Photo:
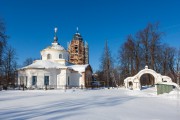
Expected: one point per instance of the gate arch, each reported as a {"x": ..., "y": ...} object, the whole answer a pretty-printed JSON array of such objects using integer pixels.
[
  {"x": 136, "y": 79},
  {"x": 146, "y": 80}
]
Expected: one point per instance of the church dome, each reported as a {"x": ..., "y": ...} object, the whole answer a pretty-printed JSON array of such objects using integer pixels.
[
  {"x": 55, "y": 52},
  {"x": 56, "y": 46}
]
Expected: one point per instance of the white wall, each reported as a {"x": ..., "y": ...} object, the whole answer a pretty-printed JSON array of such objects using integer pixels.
[
  {"x": 54, "y": 54},
  {"x": 58, "y": 78},
  {"x": 40, "y": 73},
  {"x": 75, "y": 79},
  {"x": 61, "y": 78}
]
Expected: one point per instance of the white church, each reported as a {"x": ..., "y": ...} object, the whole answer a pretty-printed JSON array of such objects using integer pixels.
[{"x": 54, "y": 70}]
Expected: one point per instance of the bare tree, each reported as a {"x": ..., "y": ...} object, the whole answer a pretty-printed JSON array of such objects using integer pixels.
[
  {"x": 130, "y": 57},
  {"x": 28, "y": 61},
  {"x": 130, "y": 47},
  {"x": 178, "y": 66},
  {"x": 3, "y": 42},
  {"x": 146, "y": 49},
  {"x": 150, "y": 39},
  {"x": 3, "y": 39},
  {"x": 167, "y": 58},
  {"x": 9, "y": 65}
]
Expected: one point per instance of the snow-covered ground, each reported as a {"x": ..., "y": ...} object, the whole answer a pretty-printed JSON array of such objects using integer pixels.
[{"x": 103, "y": 104}]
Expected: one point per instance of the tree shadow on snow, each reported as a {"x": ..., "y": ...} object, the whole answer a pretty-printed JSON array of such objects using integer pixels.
[{"x": 62, "y": 108}]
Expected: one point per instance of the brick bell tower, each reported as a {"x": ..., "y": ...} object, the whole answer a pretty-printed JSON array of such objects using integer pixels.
[{"x": 78, "y": 50}]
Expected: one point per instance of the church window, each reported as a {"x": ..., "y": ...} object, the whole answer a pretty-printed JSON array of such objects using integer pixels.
[
  {"x": 48, "y": 56},
  {"x": 68, "y": 82},
  {"x": 46, "y": 80},
  {"x": 34, "y": 80},
  {"x": 60, "y": 56}
]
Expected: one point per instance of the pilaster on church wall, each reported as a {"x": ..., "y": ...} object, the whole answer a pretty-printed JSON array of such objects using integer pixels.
[
  {"x": 20, "y": 73},
  {"x": 63, "y": 77},
  {"x": 29, "y": 79},
  {"x": 82, "y": 80},
  {"x": 52, "y": 73}
]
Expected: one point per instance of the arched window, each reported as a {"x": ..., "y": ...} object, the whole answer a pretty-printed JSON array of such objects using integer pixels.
[
  {"x": 60, "y": 56},
  {"x": 48, "y": 56}
]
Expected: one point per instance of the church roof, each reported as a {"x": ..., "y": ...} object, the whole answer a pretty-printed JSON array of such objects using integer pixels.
[
  {"x": 77, "y": 36},
  {"x": 46, "y": 64},
  {"x": 80, "y": 68}
]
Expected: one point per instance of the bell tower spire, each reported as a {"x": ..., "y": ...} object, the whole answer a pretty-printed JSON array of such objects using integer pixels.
[{"x": 77, "y": 30}]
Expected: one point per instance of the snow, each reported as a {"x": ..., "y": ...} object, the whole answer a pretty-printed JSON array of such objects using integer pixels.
[
  {"x": 56, "y": 46},
  {"x": 50, "y": 64},
  {"x": 170, "y": 83},
  {"x": 99, "y": 104},
  {"x": 80, "y": 68},
  {"x": 45, "y": 64}
]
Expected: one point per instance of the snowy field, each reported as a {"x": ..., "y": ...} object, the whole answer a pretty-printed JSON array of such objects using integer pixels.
[{"x": 103, "y": 104}]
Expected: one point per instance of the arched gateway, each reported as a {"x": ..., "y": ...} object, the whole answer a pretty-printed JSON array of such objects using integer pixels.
[{"x": 134, "y": 82}]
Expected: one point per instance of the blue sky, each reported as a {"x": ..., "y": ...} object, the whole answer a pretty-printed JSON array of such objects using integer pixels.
[{"x": 30, "y": 23}]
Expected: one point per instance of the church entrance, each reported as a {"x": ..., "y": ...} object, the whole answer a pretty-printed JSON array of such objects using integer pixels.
[{"x": 147, "y": 80}]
